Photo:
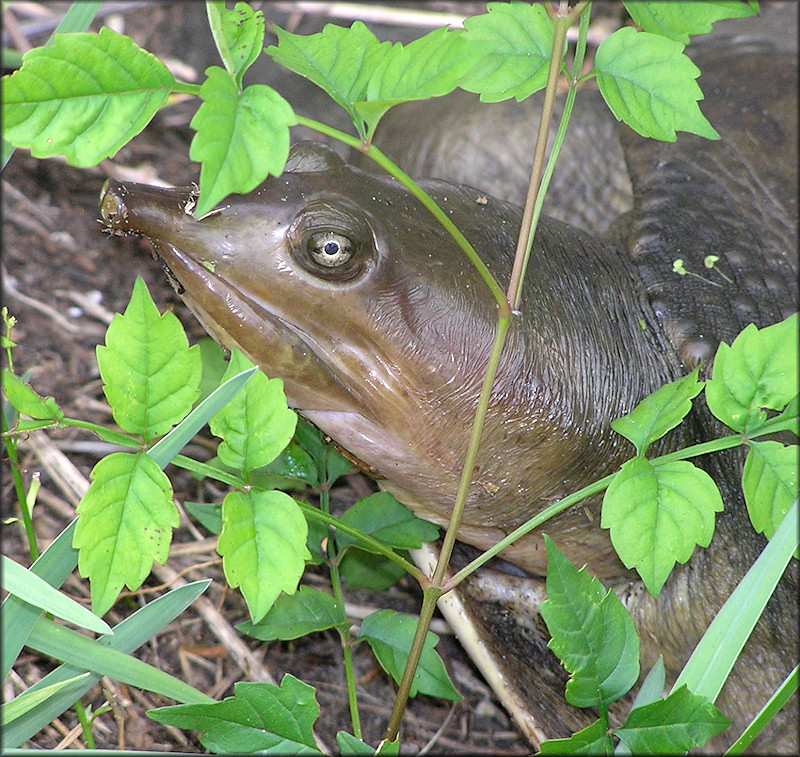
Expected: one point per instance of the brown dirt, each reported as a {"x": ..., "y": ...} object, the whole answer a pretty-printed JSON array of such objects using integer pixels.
[{"x": 62, "y": 280}]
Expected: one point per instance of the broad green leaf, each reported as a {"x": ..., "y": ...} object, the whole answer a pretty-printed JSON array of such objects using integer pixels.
[
  {"x": 650, "y": 84},
  {"x": 256, "y": 424},
  {"x": 350, "y": 745},
  {"x": 242, "y": 137},
  {"x": 84, "y": 653},
  {"x": 680, "y": 20},
  {"x": 293, "y": 467},
  {"x": 383, "y": 517},
  {"x": 26, "y": 701},
  {"x": 657, "y": 514},
  {"x": 166, "y": 449},
  {"x": 364, "y": 570},
  {"x": 295, "y": 615},
  {"x": 659, "y": 412},
  {"x": 313, "y": 441},
  {"x": 27, "y": 585},
  {"x": 592, "y": 633},
  {"x": 208, "y": 515},
  {"x": 214, "y": 362},
  {"x": 26, "y": 401},
  {"x": 759, "y": 370},
  {"x": 430, "y": 66},
  {"x": 769, "y": 481},
  {"x": 84, "y": 97},
  {"x": 263, "y": 546},
  {"x": 259, "y": 717},
  {"x": 238, "y": 34},
  {"x": 593, "y": 739},
  {"x": 715, "y": 655},
  {"x": 338, "y": 60},
  {"x": 520, "y": 37},
  {"x": 150, "y": 374},
  {"x": 673, "y": 725},
  {"x": 130, "y": 634},
  {"x": 390, "y": 635},
  {"x": 126, "y": 521}
]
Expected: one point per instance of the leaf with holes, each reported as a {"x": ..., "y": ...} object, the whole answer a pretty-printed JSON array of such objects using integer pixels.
[
  {"x": 125, "y": 522},
  {"x": 238, "y": 34},
  {"x": 151, "y": 377},
  {"x": 84, "y": 97}
]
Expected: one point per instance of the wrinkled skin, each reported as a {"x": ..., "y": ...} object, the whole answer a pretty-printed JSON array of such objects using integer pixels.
[{"x": 342, "y": 285}]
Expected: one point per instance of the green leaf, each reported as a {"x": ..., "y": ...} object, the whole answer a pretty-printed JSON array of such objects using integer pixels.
[
  {"x": 166, "y": 449},
  {"x": 659, "y": 412},
  {"x": 338, "y": 60},
  {"x": 383, "y": 517},
  {"x": 680, "y": 20},
  {"x": 430, "y": 66},
  {"x": 350, "y": 745},
  {"x": 242, "y": 137},
  {"x": 593, "y": 739},
  {"x": 759, "y": 370},
  {"x": 715, "y": 655},
  {"x": 26, "y": 401},
  {"x": 84, "y": 97},
  {"x": 520, "y": 37},
  {"x": 390, "y": 635},
  {"x": 769, "y": 481},
  {"x": 364, "y": 570},
  {"x": 592, "y": 633},
  {"x": 130, "y": 634},
  {"x": 208, "y": 515},
  {"x": 150, "y": 374},
  {"x": 126, "y": 521},
  {"x": 673, "y": 725},
  {"x": 294, "y": 464},
  {"x": 256, "y": 424},
  {"x": 27, "y": 585},
  {"x": 650, "y": 84},
  {"x": 292, "y": 616},
  {"x": 84, "y": 653},
  {"x": 26, "y": 701},
  {"x": 263, "y": 546},
  {"x": 657, "y": 514},
  {"x": 238, "y": 34},
  {"x": 214, "y": 362},
  {"x": 259, "y": 717},
  {"x": 652, "y": 687}
]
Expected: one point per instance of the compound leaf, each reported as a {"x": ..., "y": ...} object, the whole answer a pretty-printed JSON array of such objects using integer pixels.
[
  {"x": 650, "y": 84},
  {"x": 84, "y": 97},
  {"x": 657, "y": 514},
  {"x": 520, "y": 37},
  {"x": 390, "y": 635},
  {"x": 259, "y": 717},
  {"x": 263, "y": 546},
  {"x": 150, "y": 374},
  {"x": 242, "y": 137},
  {"x": 757, "y": 371},
  {"x": 125, "y": 522},
  {"x": 592, "y": 633}
]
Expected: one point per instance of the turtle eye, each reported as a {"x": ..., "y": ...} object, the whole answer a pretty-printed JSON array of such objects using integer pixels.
[{"x": 329, "y": 249}]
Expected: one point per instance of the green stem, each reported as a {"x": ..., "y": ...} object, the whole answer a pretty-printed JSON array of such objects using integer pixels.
[
  {"x": 19, "y": 489},
  {"x": 375, "y": 154},
  {"x": 86, "y": 726}
]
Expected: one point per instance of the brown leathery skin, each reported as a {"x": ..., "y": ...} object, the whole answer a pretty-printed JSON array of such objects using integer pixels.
[{"x": 577, "y": 358}]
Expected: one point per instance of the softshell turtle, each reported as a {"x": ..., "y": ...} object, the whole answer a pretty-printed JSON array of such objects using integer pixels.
[{"x": 338, "y": 282}]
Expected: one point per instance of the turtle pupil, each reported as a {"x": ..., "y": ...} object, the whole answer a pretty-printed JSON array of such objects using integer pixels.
[{"x": 331, "y": 248}]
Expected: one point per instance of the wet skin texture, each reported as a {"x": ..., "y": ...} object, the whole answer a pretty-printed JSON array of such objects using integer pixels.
[{"x": 342, "y": 285}]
